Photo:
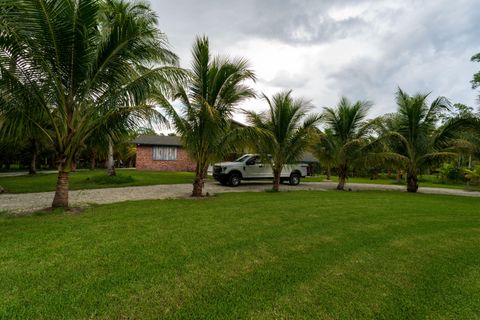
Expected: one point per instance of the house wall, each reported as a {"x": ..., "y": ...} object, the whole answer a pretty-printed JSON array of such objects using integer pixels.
[{"x": 145, "y": 161}]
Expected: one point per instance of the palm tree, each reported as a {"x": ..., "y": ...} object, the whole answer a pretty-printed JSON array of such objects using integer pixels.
[
  {"x": 476, "y": 77},
  {"x": 324, "y": 150},
  {"x": 418, "y": 142},
  {"x": 19, "y": 127},
  {"x": 215, "y": 87},
  {"x": 81, "y": 64},
  {"x": 346, "y": 135},
  {"x": 288, "y": 129}
]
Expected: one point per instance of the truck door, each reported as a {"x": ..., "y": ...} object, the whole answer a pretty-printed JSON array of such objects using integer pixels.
[{"x": 254, "y": 168}]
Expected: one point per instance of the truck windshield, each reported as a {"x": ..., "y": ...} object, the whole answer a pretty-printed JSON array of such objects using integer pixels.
[{"x": 243, "y": 158}]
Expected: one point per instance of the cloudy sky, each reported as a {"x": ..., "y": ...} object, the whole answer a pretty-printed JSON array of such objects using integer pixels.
[{"x": 323, "y": 49}]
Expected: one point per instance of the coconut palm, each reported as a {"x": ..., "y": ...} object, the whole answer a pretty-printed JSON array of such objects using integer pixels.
[
  {"x": 81, "y": 64},
  {"x": 20, "y": 127},
  {"x": 323, "y": 149},
  {"x": 417, "y": 139},
  {"x": 346, "y": 135},
  {"x": 288, "y": 128},
  {"x": 215, "y": 87}
]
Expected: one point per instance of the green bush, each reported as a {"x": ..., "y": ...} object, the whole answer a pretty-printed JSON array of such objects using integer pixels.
[
  {"x": 473, "y": 176},
  {"x": 451, "y": 173}
]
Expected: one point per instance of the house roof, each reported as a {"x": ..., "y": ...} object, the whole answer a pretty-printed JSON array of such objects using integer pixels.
[
  {"x": 308, "y": 157},
  {"x": 155, "y": 140},
  {"x": 175, "y": 141}
]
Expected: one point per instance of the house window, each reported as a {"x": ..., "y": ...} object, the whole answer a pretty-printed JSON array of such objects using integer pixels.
[{"x": 164, "y": 153}]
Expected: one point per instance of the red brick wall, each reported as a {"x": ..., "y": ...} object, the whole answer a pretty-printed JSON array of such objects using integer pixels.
[{"x": 145, "y": 161}]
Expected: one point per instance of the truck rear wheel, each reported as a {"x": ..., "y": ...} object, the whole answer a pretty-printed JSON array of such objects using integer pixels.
[
  {"x": 294, "y": 179},
  {"x": 234, "y": 179}
]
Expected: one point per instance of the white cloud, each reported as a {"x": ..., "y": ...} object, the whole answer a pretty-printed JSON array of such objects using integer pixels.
[{"x": 325, "y": 49}]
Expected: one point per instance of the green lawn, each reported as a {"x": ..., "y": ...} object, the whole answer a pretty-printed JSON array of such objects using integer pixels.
[
  {"x": 93, "y": 180},
  {"x": 289, "y": 255},
  {"x": 424, "y": 181},
  {"x": 98, "y": 179}
]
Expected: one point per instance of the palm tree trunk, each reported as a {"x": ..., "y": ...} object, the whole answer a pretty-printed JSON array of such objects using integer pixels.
[
  {"x": 399, "y": 176},
  {"x": 74, "y": 164},
  {"x": 342, "y": 176},
  {"x": 412, "y": 185},
  {"x": 276, "y": 180},
  {"x": 93, "y": 163},
  {"x": 110, "y": 161},
  {"x": 199, "y": 181},
  {"x": 33, "y": 161},
  {"x": 329, "y": 173},
  {"x": 60, "y": 200}
]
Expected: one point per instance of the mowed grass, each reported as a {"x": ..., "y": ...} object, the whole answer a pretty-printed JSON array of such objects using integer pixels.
[
  {"x": 429, "y": 181},
  {"x": 98, "y": 179},
  {"x": 288, "y": 255},
  {"x": 93, "y": 180}
]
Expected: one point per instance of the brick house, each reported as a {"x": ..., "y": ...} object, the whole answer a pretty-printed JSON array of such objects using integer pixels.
[{"x": 165, "y": 153}]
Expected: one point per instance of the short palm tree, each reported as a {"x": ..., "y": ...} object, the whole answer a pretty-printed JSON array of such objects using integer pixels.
[
  {"x": 323, "y": 148},
  {"x": 81, "y": 64},
  {"x": 287, "y": 129},
  {"x": 346, "y": 136},
  {"x": 418, "y": 142},
  {"x": 207, "y": 102}
]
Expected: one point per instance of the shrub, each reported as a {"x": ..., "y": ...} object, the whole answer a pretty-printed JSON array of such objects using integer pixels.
[
  {"x": 450, "y": 172},
  {"x": 473, "y": 176}
]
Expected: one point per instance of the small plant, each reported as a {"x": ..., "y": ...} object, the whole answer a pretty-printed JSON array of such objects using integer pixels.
[
  {"x": 450, "y": 172},
  {"x": 473, "y": 176}
]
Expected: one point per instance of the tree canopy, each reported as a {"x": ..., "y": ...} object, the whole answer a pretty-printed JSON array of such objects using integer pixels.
[{"x": 81, "y": 64}]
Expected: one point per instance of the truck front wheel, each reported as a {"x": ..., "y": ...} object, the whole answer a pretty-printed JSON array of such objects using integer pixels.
[
  {"x": 234, "y": 179},
  {"x": 294, "y": 179}
]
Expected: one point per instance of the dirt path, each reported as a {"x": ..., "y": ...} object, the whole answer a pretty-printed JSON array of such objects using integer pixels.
[{"x": 35, "y": 201}]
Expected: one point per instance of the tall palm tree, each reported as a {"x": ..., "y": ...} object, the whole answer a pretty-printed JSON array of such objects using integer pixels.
[
  {"x": 81, "y": 64},
  {"x": 288, "y": 127},
  {"x": 346, "y": 135},
  {"x": 418, "y": 142},
  {"x": 215, "y": 87}
]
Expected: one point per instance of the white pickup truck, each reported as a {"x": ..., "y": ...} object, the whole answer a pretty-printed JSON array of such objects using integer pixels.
[{"x": 251, "y": 167}]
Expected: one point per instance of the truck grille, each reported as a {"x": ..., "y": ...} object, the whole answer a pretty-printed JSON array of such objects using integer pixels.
[{"x": 217, "y": 169}]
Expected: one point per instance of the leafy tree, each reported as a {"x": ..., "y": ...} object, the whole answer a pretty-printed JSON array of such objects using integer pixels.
[
  {"x": 418, "y": 140},
  {"x": 288, "y": 130},
  {"x": 81, "y": 64},
  {"x": 346, "y": 137},
  {"x": 215, "y": 87}
]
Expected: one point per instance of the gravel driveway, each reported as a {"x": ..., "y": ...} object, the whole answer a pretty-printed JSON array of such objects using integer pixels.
[{"x": 25, "y": 202}]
